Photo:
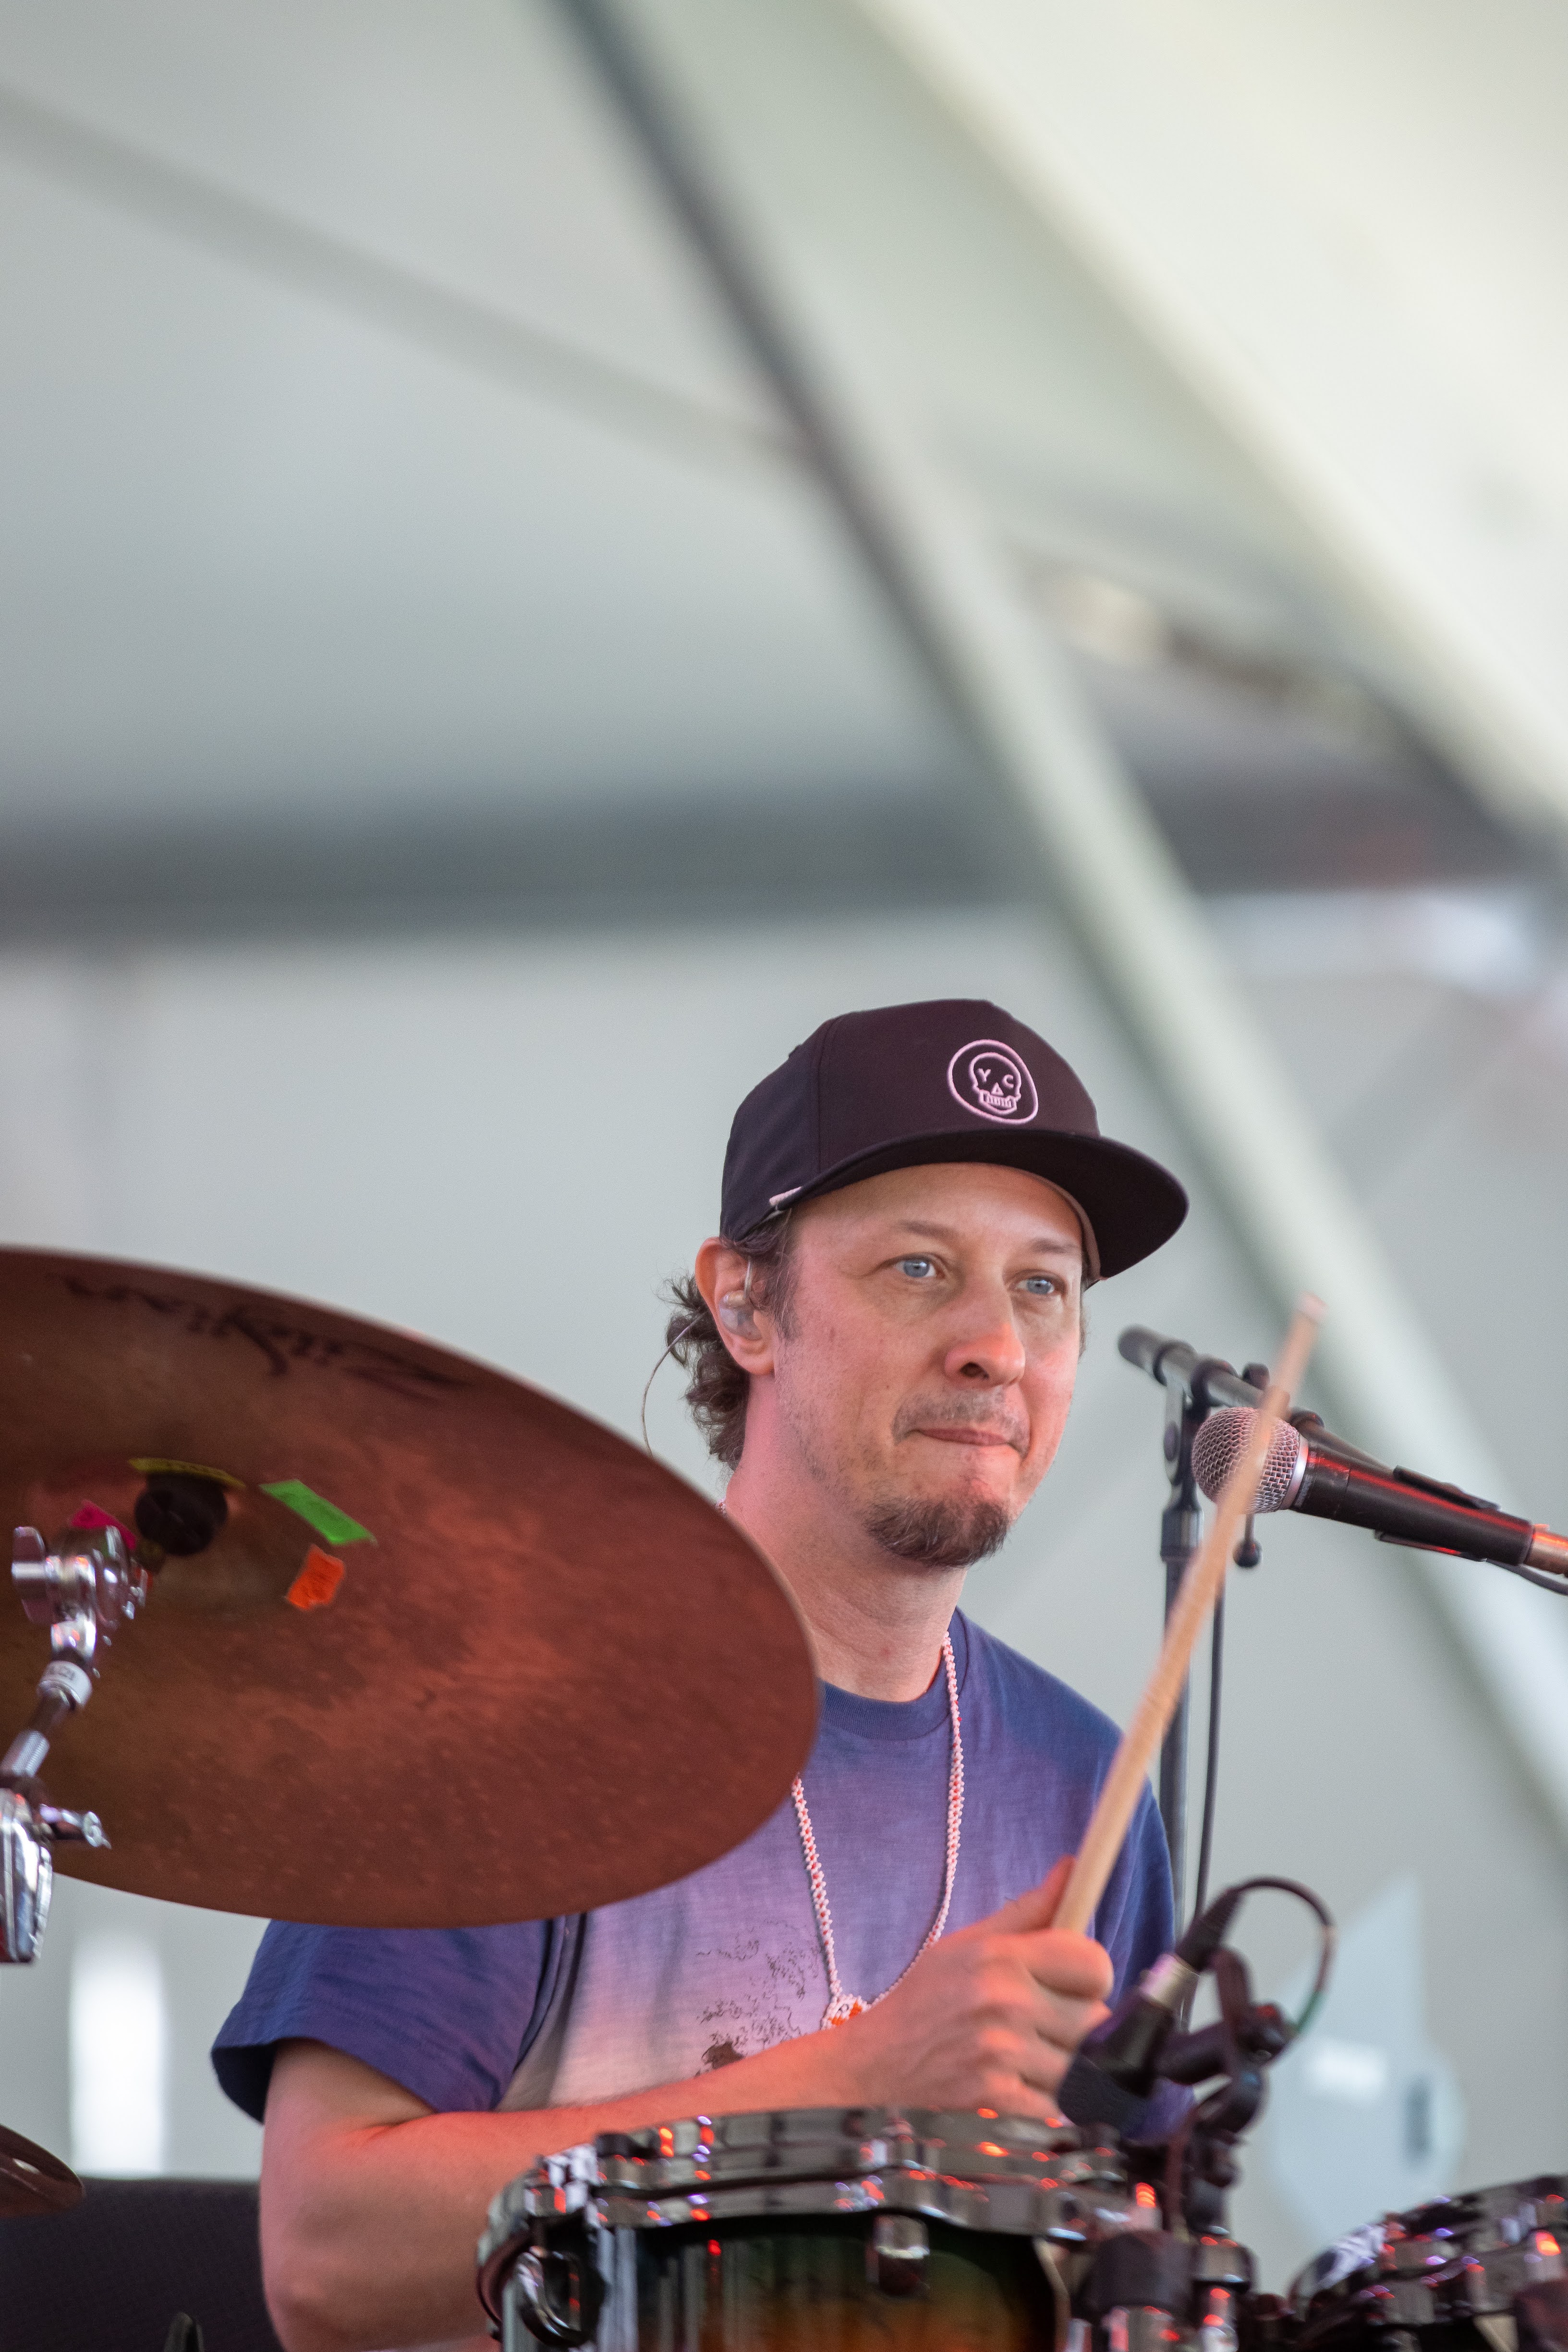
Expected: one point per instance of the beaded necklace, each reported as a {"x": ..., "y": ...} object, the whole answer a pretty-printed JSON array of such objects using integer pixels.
[{"x": 841, "y": 2004}]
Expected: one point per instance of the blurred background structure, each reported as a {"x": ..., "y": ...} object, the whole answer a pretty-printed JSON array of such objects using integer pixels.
[{"x": 546, "y": 546}]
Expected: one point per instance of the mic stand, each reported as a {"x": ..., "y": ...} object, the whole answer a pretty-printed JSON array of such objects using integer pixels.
[
  {"x": 1181, "y": 1525},
  {"x": 1189, "y": 2283},
  {"x": 1193, "y": 1386},
  {"x": 1245, "y": 2039}
]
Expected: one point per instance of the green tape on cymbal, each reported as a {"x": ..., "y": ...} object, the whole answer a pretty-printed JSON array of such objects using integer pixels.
[{"x": 334, "y": 1526}]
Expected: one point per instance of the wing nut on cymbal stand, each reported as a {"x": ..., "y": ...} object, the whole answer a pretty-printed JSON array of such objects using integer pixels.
[{"x": 83, "y": 1594}]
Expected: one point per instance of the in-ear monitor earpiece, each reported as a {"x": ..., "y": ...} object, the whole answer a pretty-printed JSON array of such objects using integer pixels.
[{"x": 737, "y": 1308}]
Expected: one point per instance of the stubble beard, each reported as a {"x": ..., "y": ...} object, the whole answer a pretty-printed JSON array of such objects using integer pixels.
[
  {"x": 939, "y": 1533},
  {"x": 946, "y": 1531}
]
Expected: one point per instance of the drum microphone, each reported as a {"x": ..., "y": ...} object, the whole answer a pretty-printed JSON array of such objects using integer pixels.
[
  {"x": 1116, "y": 2067},
  {"x": 1142, "y": 2045},
  {"x": 1307, "y": 1470}
]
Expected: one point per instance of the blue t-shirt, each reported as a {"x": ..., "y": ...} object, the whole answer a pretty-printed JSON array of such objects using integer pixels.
[{"x": 728, "y": 1961}]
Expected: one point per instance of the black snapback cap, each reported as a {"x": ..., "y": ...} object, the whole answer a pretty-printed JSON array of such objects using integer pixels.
[{"x": 910, "y": 1085}]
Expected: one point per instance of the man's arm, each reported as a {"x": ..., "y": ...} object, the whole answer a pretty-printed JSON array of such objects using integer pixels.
[{"x": 372, "y": 2205}]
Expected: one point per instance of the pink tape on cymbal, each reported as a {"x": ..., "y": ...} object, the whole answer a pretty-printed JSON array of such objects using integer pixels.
[{"x": 93, "y": 1515}]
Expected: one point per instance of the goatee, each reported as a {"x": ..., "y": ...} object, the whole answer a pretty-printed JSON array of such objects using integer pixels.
[{"x": 939, "y": 1533}]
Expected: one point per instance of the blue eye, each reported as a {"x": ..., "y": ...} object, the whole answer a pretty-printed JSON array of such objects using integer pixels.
[
  {"x": 1041, "y": 1286},
  {"x": 917, "y": 1268}
]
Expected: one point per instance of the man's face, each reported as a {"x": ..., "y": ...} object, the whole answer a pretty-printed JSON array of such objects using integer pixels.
[{"x": 931, "y": 1347}]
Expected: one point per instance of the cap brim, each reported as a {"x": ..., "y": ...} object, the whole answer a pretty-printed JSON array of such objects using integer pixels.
[{"x": 1133, "y": 1203}]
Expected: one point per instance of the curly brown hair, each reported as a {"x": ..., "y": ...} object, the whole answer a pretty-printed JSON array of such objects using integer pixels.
[{"x": 716, "y": 1387}]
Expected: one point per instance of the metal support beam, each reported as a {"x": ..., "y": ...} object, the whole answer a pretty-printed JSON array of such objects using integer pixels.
[
  {"x": 417, "y": 309},
  {"x": 1257, "y": 285},
  {"x": 1116, "y": 884}
]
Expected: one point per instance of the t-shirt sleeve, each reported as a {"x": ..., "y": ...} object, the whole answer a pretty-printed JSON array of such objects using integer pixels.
[
  {"x": 1136, "y": 1923},
  {"x": 447, "y": 2012},
  {"x": 1135, "y": 1920}
]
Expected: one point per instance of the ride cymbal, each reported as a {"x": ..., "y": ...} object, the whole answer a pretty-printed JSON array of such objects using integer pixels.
[{"x": 452, "y": 1655}]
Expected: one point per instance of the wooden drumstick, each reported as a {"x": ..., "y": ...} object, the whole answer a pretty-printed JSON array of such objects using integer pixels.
[{"x": 1200, "y": 1588}]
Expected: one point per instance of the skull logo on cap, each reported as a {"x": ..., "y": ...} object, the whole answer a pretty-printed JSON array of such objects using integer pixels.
[{"x": 990, "y": 1080}]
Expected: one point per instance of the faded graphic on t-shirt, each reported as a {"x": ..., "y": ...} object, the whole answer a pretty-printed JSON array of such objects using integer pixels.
[
  {"x": 660, "y": 1997},
  {"x": 765, "y": 1991}
]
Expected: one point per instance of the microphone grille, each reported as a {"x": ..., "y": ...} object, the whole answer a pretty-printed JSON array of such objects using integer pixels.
[{"x": 1218, "y": 1447}]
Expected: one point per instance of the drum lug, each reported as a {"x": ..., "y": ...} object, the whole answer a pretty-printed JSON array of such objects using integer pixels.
[
  {"x": 1141, "y": 2327},
  {"x": 1216, "y": 2319},
  {"x": 897, "y": 2256},
  {"x": 556, "y": 2296}
]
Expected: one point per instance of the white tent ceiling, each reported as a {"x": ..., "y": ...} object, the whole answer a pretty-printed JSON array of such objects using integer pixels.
[{"x": 316, "y": 501}]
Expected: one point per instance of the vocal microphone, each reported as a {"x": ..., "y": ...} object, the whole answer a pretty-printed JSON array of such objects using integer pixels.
[{"x": 1312, "y": 1472}]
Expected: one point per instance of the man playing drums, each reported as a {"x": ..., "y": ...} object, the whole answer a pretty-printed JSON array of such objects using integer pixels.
[{"x": 882, "y": 1347}]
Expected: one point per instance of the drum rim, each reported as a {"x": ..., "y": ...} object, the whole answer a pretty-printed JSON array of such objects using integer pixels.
[
  {"x": 1459, "y": 2217},
  {"x": 848, "y": 2162}
]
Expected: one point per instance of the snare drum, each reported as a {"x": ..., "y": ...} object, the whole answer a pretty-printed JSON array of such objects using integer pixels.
[
  {"x": 818, "y": 2230},
  {"x": 1448, "y": 2271}
]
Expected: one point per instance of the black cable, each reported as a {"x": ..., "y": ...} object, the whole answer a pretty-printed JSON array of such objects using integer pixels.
[
  {"x": 1536, "y": 1575},
  {"x": 665, "y": 1356},
  {"x": 1211, "y": 1766},
  {"x": 1326, "y": 1941}
]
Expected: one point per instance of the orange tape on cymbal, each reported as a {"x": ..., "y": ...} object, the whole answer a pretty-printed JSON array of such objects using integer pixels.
[{"x": 318, "y": 1580}]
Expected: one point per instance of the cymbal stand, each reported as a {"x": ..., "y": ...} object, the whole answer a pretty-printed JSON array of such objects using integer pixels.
[{"x": 84, "y": 1592}]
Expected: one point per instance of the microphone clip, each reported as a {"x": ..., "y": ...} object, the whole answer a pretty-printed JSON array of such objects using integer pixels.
[{"x": 1120, "y": 2075}]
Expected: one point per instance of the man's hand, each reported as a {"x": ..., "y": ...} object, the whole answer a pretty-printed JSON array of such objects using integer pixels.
[{"x": 989, "y": 2018}]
